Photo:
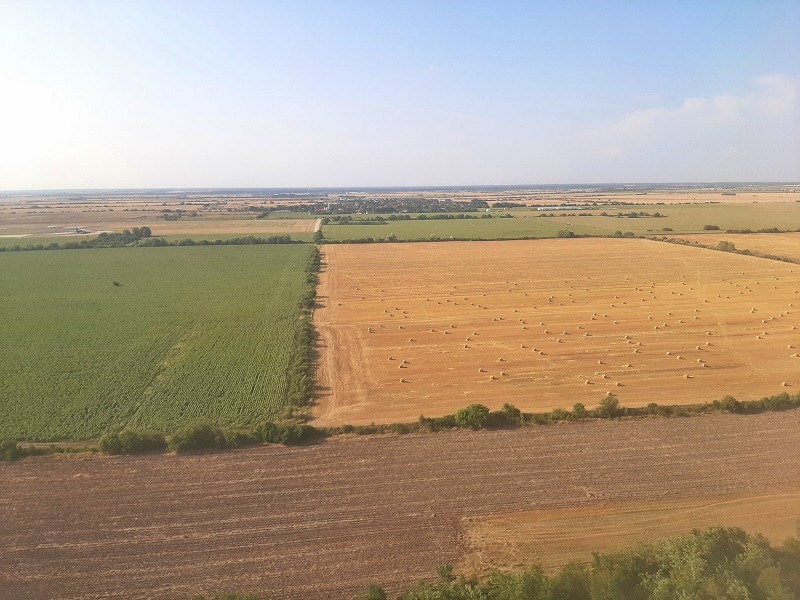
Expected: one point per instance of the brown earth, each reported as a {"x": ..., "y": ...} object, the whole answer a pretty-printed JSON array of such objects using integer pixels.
[
  {"x": 547, "y": 323},
  {"x": 779, "y": 244},
  {"x": 323, "y": 521}
]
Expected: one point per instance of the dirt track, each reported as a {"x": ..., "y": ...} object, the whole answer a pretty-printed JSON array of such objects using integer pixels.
[{"x": 322, "y": 521}]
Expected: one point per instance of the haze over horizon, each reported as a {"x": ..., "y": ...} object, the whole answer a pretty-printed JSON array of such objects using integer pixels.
[{"x": 354, "y": 94}]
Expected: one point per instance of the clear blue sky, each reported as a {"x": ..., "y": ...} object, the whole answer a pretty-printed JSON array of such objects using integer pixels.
[{"x": 193, "y": 94}]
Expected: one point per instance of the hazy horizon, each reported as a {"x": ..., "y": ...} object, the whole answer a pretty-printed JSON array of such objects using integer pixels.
[{"x": 154, "y": 95}]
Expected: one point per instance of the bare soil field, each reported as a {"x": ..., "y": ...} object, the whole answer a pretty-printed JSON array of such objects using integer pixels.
[
  {"x": 779, "y": 244},
  {"x": 553, "y": 538},
  {"x": 323, "y": 521},
  {"x": 410, "y": 329}
]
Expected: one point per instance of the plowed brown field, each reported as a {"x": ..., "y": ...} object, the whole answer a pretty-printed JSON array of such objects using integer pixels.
[
  {"x": 410, "y": 329},
  {"x": 322, "y": 521}
]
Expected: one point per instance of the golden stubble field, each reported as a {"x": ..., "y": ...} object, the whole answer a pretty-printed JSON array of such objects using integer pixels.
[
  {"x": 778, "y": 244},
  {"x": 427, "y": 328}
]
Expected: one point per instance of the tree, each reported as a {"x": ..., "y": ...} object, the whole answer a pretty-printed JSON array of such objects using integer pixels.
[
  {"x": 609, "y": 407},
  {"x": 726, "y": 246},
  {"x": 473, "y": 416}
]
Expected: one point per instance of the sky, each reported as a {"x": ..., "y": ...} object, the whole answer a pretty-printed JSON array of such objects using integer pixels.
[{"x": 172, "y": 94}]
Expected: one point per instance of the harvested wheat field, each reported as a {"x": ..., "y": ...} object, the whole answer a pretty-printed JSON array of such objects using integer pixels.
[
  {"x": 778, "y": 244},
  {"x": 556, "y": 537},
  {"x": 324, "y": 521},
  {"x": 410, "y": 329}
]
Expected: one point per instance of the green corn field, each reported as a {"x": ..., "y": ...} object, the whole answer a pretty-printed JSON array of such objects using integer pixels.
[{"x": 153, "y": 338}]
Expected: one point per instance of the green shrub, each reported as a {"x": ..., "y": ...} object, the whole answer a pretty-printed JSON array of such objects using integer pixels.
[
  {"x": 373, "y": 592},
  {"x": 559, "y": 414},
  {"x": 473, "y": 416},
  {"x": 579, "y": 411},
  {"x": 609, "y": 407},
  {"x": 9, "y": 450},
  {"x": 286, "y": 433},
  {"x": 130, "y": 441},
  {"x": 728, "y": 404},
  {"x": 238, "y": 438},
  {"x": 197, "y": 437}
]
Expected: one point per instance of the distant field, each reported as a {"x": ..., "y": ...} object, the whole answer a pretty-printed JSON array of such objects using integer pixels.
[
  {"x": 690, "y": 218},
  {"x": 680, "y": 218},
  {"x": 159, "y": 227},
  {"x": 410, "y": 329},
  {"x": 779, "y": 244},
  {"x": 458, "y": 228},
  {"x": 191, "y": 334},
  {"x": 34, "y": 240}
]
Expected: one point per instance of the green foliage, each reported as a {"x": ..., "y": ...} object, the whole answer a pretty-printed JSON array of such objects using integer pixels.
[
  {"x": 9, "y": 450},
  {"x": 204, "y": 436},
  {"x": 287, "y": 433},
  {"x": 579, "y": 411},
  {"x": 714, "y": 564},
  {"x": 609, "y": 407},
  {"x": 373, "y": 592},
  {"x": 559, "y": 414},
  {"x": 198, "y": 437},
  {"x": 473, "y": 416},
  {"x": 565, "y": 233},
  {"x": 726, "y": 246},
  {"x": 777, "y": 403},
  {"x": 572, "y": 582},
  {"x": 710, "y": 227},
  {"x": 130, "y": 441},
  {"x": 194, "y": 335}
]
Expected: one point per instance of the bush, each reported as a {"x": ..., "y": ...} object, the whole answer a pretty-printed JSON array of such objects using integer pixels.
[
  {"x": 129, "y": 441},
  {"x": 9, "y": 450},
  {"x": 197, "y": 437},
  {"x": 473, "y": 416},
  {"x": 286, "y": 433},
  {"x": 373, "y": 592},
  {"x": 728, "y": 404},
  {"x": 609, "y": 407},
  {"x": 579, "y": 411},
  {"x": 710, "y": 227},
  {"x": 559, "y": 414}
]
